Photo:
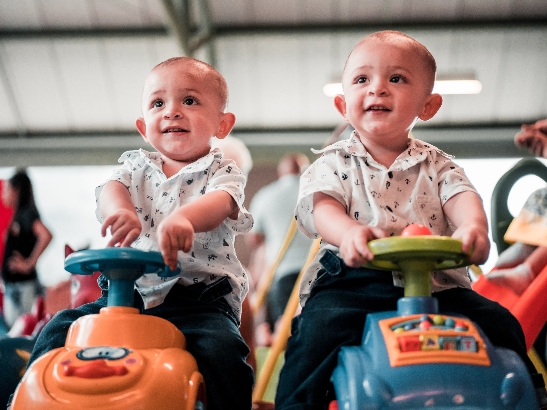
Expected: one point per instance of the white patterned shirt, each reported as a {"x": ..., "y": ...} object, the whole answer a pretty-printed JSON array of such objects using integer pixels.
[
  {"x": 155, "y": 197},
  {"x": 412, "y": 190}
]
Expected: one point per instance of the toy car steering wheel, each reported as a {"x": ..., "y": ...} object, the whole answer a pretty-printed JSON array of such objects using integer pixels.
[
  {"x": 121, "y": 266},
  {"x": 417, "y": 257}
]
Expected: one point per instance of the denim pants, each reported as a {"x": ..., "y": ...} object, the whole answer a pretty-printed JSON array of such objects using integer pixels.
[
  {"x": 335, "y": 314},
  {"x": 19, "y": 298},
  {"x": 211, "y": 331}
]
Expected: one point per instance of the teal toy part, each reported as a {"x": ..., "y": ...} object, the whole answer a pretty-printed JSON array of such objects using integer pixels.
[{"x": 121, "y": 266}]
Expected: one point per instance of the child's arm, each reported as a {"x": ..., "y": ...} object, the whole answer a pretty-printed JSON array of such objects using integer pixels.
[
  {"x": 176, "y": 232},
  {"x": 119, "y": 213},
  {"x": 337, "y": 228},
  {"x": 466, "y": 212}
]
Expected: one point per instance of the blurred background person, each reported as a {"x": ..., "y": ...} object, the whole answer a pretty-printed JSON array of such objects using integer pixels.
[
  {"x": 26, "y": 239},
  {"x": 272, "y": 208}
]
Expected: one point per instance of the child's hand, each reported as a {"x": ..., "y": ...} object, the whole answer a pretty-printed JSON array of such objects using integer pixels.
[
  {"x": 124, "y": 226},
  {"x": 475, "y": 242},
  {"x": 174, "y": 233},
  {"x": 354, "y": 246}
]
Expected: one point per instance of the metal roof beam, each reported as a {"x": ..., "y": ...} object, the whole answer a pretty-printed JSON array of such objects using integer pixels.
[{"x": 191, "y": 22}]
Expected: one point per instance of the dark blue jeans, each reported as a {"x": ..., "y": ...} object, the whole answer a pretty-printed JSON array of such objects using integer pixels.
[
  {"x": 212, "y": 337},
  {"x": 335, "y": 314}
]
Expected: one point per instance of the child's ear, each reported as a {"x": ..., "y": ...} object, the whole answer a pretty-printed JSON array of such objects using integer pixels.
[
  {"x": 432, "y": 105},
  {"x": 141, "y": 126},
  {"x": 226, "y": 125},
  {"x": 340, "y": 104}
]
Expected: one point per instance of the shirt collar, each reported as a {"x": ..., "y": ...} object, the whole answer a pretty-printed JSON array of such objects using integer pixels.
[
  {"x": 153, "y": 159},
  {"x": 416, "y": 152}
]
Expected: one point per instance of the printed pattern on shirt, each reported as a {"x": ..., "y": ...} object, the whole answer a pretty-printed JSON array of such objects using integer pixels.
[
  {"x": 412, "y": 190},
  {"x": 155, "y": 197}
]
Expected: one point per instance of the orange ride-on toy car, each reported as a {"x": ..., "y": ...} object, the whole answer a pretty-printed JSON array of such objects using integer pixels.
[{"x": 117, "y": 359}]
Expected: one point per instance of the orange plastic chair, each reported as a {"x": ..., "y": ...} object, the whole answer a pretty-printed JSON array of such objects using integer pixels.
[{"x": 530, "y": 308}]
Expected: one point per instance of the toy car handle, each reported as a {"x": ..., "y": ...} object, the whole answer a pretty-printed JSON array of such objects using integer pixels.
[
  {"x": 417, "y": 257},
  {"x": 121, "y": 266}
]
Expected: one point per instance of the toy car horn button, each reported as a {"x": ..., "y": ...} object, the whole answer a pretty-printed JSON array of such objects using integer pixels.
[{"x": 95, "y": 369}]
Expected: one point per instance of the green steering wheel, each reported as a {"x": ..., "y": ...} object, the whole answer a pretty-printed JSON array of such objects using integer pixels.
[{"x": 417, "y": 257}]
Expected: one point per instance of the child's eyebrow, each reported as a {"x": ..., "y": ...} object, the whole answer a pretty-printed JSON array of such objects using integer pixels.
[
  {"x": 398, "y": 68},
  {"x": 386, "y": 68},
  {"x": 153, "y": 94},
  {"x": 162, "y": 91}
]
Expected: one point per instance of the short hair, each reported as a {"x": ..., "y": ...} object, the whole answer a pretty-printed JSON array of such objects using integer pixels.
[
  {"x": 415, "y": 45},
  {"x": 222, "y": 86}
]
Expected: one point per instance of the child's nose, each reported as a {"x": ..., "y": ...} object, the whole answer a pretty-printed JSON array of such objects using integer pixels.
[
  {"x": 377, "y": 87},
  {"x": 172, "y": 112}
]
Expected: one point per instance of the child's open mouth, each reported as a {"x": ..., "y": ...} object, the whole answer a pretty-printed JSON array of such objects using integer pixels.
[
  {"x": 171, "y": 130},
  {"x": 373, "y": 108}
]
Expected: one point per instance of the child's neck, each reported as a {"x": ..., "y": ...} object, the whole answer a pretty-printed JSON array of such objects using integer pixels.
[
  {"x": 383, "y": 153},
  {"x": 171, "y": 167}
]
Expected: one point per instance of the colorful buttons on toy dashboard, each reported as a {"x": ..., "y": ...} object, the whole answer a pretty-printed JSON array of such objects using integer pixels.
[{"x": 419, "y": 339}]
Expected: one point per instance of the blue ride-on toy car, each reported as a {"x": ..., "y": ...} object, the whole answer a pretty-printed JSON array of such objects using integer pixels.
[{"x": 419, "y": 358}]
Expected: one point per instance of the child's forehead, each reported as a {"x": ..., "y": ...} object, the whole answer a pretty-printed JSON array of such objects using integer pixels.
[
  {"x": 180, "y": 71},
  {"x": 176, "y": 78},
  {"x": 184, "y": 75},
  {"x": 386, "y": 53},
  {"x": 380, "y": 51}
]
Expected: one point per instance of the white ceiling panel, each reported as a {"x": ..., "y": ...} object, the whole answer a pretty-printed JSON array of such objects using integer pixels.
[
  {"x": 76, "y": 67},
  {"x": 32, "y": 75},
  {"x": 522, "y": 89}
]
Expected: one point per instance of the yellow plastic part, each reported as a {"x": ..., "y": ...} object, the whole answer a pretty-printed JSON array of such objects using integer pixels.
[
  {"x": 265, "y": 284},
  {"x": 417, "y": 257},
  {"x": 283, "y": 332}
]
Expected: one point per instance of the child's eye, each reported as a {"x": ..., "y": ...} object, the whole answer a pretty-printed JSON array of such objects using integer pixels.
[
  {"x": 190, "y": 101},
  {"x": 361, "y": 80},
  {"x": 157, "y": 104},
  {"x": 396, "y": 79}
]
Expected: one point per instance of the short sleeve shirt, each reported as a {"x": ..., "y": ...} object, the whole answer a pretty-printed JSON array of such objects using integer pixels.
[
  {"x": 155, "y": 196},
  {"x": 412, "y": 190}
]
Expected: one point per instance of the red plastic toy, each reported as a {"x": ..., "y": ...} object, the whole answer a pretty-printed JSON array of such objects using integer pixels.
[{"x": 530, "y": 308}]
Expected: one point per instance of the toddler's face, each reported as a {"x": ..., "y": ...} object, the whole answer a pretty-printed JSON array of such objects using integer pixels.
[
  {"x": 182, "y": 111},
  {"x": 385, "y": 89}
]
